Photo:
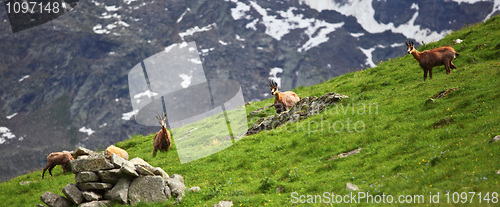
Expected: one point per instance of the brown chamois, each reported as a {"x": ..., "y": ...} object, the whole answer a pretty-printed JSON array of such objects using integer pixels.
[
  {"x": 162, "y": 140},
  {"x": 435, "y": 57},
  {"x": 57, "y": 158},
  {"x": 282, "y": 100}
]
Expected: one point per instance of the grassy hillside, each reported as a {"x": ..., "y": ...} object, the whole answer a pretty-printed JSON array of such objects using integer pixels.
[{"x": 406, "y": 147}]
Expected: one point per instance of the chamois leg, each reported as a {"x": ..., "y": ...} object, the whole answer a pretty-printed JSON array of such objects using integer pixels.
[
  {"x": 44, "y": 169},
  {"x": 447, "y": 67},
  {"x": 154, "y": 152},
  {"x": 452, "y": 66},
  {"x": 430, "y": 74},
  {"x": 50, "y": 169},
  {"x": 425, "y": 74}
]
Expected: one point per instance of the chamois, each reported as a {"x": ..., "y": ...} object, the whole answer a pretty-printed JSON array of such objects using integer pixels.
[
  {"x": 282, "y": 100},
  {"x": 57, "y": 158},
  {"x": 162, "y": 140},
  {"x": 435, "y": 57}
]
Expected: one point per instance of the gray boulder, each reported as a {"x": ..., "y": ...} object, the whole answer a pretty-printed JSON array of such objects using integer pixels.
[
  {"x": 119, "y": 192},
  {"x": 94, "y": 186},
  {"x": 79, "y": 151},
  {"x": 178, "y": 177},
  {"x": 168, "y": 193},
  {"x": 109, "y": 176},
  {"x": 86, "y": 176},
  {"x": 73, "y": 193},
  {"x": 351, "y": 187},
  {"x": 147, "y": 189},
  {"x": 495, "y": 139},
  {"x": 128, "y": 169},
  {"x": 143, "y": 171},
  {"x": 91, "y": 196},
  {"x": 160, "y": 172},
  {"x": 117, "y": 161},
  {"x": 54, "y": 200},
  {"x": 94, "y": 162},
  {"x": 224, "y": 204},
  {"x": 176, "y": 187},
  {"x": 194, "y": 189},
  {"x": 97, "y": 204}
]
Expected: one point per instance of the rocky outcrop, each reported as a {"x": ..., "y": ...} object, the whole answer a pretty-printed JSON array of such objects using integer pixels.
[
  {"x": 101, "y": 180},
  {"x": 307, "y": 106}
]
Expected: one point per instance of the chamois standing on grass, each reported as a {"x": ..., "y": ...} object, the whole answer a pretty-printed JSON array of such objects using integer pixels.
[
  {"x": 162, "y": 140},
  {"x": 435, "y": 57},
  {"x": 57, "y": 158},
  {"x": 282, "y": 100}
]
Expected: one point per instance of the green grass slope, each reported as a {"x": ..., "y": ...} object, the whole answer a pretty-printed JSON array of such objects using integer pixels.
[{"x": 404, "y": 148}]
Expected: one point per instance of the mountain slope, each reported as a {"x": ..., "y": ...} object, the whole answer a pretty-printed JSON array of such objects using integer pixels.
[{"x": 406, "y": 147}]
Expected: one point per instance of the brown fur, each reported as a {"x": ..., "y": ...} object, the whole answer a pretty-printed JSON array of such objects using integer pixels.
[
  {"x": 282, "y": 100},
  {"x": 57, "y": 158},
  {"x": 112, "y": 149},
  {"x": 435, "y": 57},
  {"x": 162, "y": 140}
]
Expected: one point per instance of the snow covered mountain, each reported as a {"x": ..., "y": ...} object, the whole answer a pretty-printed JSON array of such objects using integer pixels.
[{"x": 64, "y": 83}]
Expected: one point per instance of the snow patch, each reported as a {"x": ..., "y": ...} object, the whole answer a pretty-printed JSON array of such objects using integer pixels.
[
  {"x": 99, "y": 30},
  {"x": 196, "y": 29},
  {"x": 10, "y": 116},
  {"x": 273, "y": 75},
  {"x": 239, "y": 38},
  {"x": 186, "y": 80},
  {"x": 87, "y": 131},
  {"x": 223, "y": 43},
  {"x": 24, "y": 78},
  {"x": 5, "y": 134},
  {"x": 357, "y": 34},
  {"x": 111, "y": 8},
  {"x": 182, "y": 15},
  {"x": 363, "y": 11},
  {"x": 127, "y": 116},
  {"x": 147, "y": 93},
  {"x": 368, "y": 53}
]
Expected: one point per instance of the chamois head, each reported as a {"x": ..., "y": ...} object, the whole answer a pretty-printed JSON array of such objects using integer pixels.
[
  {"x": 162, "y": 120},
  {"x": 274, "y": 87},
  {"x": 409, "y": 47}
]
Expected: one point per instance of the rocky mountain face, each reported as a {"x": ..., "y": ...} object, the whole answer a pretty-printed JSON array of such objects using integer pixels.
[{"x": 64, "y": 83}]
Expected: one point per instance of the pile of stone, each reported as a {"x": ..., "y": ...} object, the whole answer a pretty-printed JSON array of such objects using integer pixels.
[
  {"x": 101, "y": 180},
  {"x": 306, "y": 107}
]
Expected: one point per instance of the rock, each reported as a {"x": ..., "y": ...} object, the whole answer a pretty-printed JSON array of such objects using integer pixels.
[
  {"x": 160, "y": 172},
  {"x": 94, "y": 163},
  {"x": 168, "y": 192},
  {"x": 140, "y": 161},
  {"x": 307, "y": 106},
  {"x": 178, "y": 177},
  {"x": 91, "y": 196},
  {"x": 109, "y": 176},
  {"x": 94, "y": 186},
  {"x": 224, "y": 204},
  {"x": 83, "y": 157},
  {"x": 346, "y": 154},
  {"x": 39, "y": 205},
  {"x": 54, "y": 200},
  {"x": 176, "y": 187},
  {"x": 119, "y": 192},
  {"x": 128, "y": 169},
  {"x": 194, "y": 189},
  {"x": 114, "y": 150},
  {"x": 444, "y": 93},
  {"x": 73, "y": 193},
  {"x": 497, "y": 172},
  {"x": 351, "y": 187},
  {"x": 147, "y": 189},
  {"x": 97, "y": 204},
  {"x": 495, "y": 139},
  {"x": 280, "y": 189},
  {"x": 117, "y": 161},
  {"x": 27, "y": 182},
  {"x": 79, "y": 151},
  {"x": 86, "y": 176},
  {"x": 143, "y": 171}
]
